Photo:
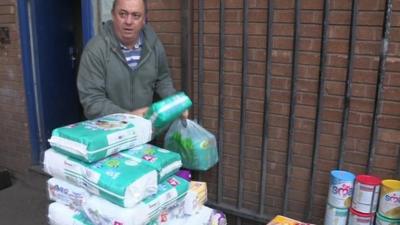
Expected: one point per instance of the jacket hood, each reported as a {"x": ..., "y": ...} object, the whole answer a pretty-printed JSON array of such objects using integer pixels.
[{"x": 109, "y": 35}]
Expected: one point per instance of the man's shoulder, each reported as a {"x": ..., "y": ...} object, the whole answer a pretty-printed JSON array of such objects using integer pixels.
[
  {"x": 150, "y": 34},
  {"x": 96, "y": 42}
]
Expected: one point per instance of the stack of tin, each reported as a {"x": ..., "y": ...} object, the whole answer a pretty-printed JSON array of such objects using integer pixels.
[
  {"x": 389, "y": 203},
  {"x": 339, "y": 197},
  {"x": 365, "y": 200}
]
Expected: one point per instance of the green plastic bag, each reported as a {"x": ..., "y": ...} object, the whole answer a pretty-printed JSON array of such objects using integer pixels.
[
  {"x": 165, "y": 111},
  {"x": 196, "y": 145}
]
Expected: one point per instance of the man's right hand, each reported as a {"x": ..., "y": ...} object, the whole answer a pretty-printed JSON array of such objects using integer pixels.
[{"x": 140, "y": 112}]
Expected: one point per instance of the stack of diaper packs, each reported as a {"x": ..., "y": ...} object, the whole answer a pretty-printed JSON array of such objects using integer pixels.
[{"x": 104, "y": 172}]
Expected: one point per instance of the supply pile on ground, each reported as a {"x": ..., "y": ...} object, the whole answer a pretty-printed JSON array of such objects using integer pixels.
[
  {"x": 362, "y": 200},
  {"x": 104, "y": 172}
]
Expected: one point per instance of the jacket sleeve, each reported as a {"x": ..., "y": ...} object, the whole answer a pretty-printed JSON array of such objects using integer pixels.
[
  {"x": 91, "y": 86},
  {"x": 164, "y": 85}
]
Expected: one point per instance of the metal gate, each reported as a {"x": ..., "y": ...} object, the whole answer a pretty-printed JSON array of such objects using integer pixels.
[{"x": 292, "y": 89}]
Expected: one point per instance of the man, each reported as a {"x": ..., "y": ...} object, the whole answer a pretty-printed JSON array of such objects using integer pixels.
[{"x": 124, "y": 65}]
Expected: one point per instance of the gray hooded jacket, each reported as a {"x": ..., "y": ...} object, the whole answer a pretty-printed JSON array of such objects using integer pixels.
[{"x": 107, "y": 84}]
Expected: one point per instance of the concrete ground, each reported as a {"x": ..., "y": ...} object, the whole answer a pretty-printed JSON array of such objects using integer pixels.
[{"x": 25, "y": 202}]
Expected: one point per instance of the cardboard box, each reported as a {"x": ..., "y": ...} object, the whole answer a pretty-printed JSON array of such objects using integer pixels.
[{"x": 282, "y": 220}]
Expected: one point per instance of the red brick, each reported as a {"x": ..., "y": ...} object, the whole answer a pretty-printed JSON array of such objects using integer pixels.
[
  {"x": 311, "y": 17},
  {"x": 335, "y": 73},
  {"x": 233, "y": 15},
  {"x": 340, "y": 4},
  {"x": 163, "y": 15},
  {"x": 304, "y": 85},
  {"x": 282, "y": 29},
  {"x": 257, "y": 55},
  {"x": 361, "y": 132},
  {"x": 370, "y": 18},
  {"x": 363, "y": 90},
  {"x": 368, "y": 48},
  {"x": 364, "y": 76},
  {"x": 340, "y": 17},
  {"x": 338, "y": 31},
  {"x": 283, "y": 16},
  {"x": 310, "y": 30},
  {"x": 281, "y": 69},
  {"x": 282, "y": 43},
  {"x": 309, "y": 58},
  {"x": 7, "y": 9},
  {"x": 310, "y": 44},
  {"x": 333, "y": 102},
  {"x": 257, "y": 15},
  {"x": 389, "y": 135},
  {"x": 304, "y": 124},
  {"x": 338, "y": 46},
  {"x": 332, "y": 115},
  {"x": 338, "y": 60},
  {"x": 384, "y": 162},
  {"x": 335, "y": 88},
  {"x": 360, "y": 118},
  {"x": 309, "y": 99},
  {"x": 362, "y": 105},
  {"x": 372, "y": 5},
  {"x": 367, "y": 33},
  {"x": 304, "y": 137},
  {"x": 279, "y": 108},
  {"x": 366, "y": 62}
]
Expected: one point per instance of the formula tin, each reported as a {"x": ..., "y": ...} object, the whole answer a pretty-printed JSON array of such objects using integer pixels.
[
  {"x": 359, "y": 218},
  {"x": 335, "y": 216},
  {"x": 340, "y": 188},
  {"x": 389, "y": 203},
  {"x": 382, "y": 220},
  {"x": 366, "y": 193}
]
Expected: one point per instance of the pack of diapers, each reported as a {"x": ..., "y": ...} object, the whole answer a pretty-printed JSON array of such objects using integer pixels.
[
  {"x": 195, "y": 198},
  {"x": 60, "y": 214},
  {"x": 165, "y": 162},
  {"x": 96, "y": 139},
  {"x": 118, "y": 179},
  {"x": 165, "y": 111},
  {"x": 66, "y": 193},
  {"x": 102, "y": 212}
]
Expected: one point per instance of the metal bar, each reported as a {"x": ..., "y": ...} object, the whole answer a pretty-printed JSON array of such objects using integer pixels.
[
  {"x": 379, "y": 86},
  {"x": 201, "y": 63},
  {"x": 398, "y": 163},
  {"x": 186, "y": 50},
  {"x": 221, "y": 100},
  {"x": 349, "y": 81},
  {"x": 267, "y": 94},
  {"x": 293, "y": 103},
  {"x": 320, "y": 106},
  {"x": 241, "y": 213},
  {"x": 243, "y": 102}
]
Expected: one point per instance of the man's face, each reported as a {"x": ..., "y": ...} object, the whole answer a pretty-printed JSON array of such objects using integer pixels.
[{"x": 129, "y": 19}]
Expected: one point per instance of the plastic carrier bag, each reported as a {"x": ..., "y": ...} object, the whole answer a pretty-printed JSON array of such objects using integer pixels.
[
  {"x": 197, "y": 146},
  {"x": 162, "y": 113}
]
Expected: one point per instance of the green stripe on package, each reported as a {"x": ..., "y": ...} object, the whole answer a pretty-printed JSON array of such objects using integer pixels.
[
  {"x": 165, "y": 111},
  {"x": 96, "y": 139},
  {"x": 165, "y": 162},
  {"x": 118, "y": 179}
]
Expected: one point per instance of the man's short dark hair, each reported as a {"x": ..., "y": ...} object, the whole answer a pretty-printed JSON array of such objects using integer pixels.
[{"x": 144, "y": 2}]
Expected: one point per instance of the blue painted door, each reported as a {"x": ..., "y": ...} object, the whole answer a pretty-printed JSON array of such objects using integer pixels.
[{"x": 57, "y": 37}]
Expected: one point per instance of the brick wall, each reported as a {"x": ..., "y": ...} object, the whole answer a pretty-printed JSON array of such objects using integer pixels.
[
  {"x": 15, "y": 150},
  {"x": 164, "y": 15}
]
